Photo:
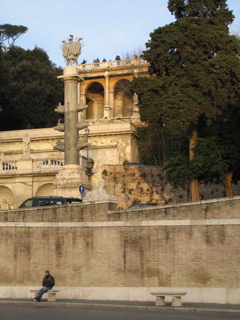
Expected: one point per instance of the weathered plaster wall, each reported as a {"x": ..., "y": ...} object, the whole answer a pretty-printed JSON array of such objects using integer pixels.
[{"x": 93, "y": 252}]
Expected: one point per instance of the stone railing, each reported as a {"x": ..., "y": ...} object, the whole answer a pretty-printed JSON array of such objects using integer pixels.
[
  {"x": 8, "y": 166},
  {"x": 110, "y": 64},
  {"x": 39, "y": 165},
  {"x": 29, "y": 165}
]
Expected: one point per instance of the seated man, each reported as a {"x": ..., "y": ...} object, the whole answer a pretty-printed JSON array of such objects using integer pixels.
[{"x": 47, "y": 284}]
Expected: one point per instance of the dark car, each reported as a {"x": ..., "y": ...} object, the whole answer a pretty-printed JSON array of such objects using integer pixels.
[
  {"x": 48, "y": 201},
  {"x": 142, "y": 205}
]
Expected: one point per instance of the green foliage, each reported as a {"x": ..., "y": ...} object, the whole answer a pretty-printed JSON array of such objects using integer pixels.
[
  {"x": 3, "y": 80},
  {"x": 149, "y": 90},
  {"x": 104, "y": 172},
  {"x": 194, "y": 84},
  {"x": 178, "y": 171},
  {"x": 156, "y": 144},
  {"x": 218, "y": 152},
  {"x": 136, "y": 201},
  {"x": 31, "y": 91},
  {"x": 200, "y": 9},
  {"x": 215, "y": 155},
  {"x": 9, "y": 34},
  {"x": 207, "y": 164},
  {"x": 192, "y": 62}
]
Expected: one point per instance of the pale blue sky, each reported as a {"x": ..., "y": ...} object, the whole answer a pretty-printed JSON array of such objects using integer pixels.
[{"x": 108, "y": 28}]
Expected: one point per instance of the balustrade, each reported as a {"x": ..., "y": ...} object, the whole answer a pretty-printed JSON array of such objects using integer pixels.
[
  {"x": 49, "y": 163},
  {"x": 37, "y": 165},
  {"x": 110, "y": 64},
  {"x": 8, "y": 165}
]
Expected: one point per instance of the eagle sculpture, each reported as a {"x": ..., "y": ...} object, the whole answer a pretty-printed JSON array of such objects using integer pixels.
[{"x": 71, "y": 50}]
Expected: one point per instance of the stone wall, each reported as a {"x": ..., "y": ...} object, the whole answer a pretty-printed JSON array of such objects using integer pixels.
[
  {"x": 100, "y": 254},
  {"x": 147, "y": 184}
]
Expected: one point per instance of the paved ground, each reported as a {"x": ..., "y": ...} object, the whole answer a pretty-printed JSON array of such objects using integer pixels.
[
  {"x": 26, "y": 309},
  {"x": 36, "y": 311}
]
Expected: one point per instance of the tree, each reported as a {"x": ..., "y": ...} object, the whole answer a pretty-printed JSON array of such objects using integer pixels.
[
  {"x": 217, "y": 153},
  {"x": 32, "y": 91},
  {"x": 195, "y": 69},
  {"x": 9, "y": 34},
  {"x": 156, "y": 144}
]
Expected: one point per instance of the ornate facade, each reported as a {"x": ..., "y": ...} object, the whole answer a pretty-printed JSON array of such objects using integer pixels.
[{"x": 29, "y": 163}]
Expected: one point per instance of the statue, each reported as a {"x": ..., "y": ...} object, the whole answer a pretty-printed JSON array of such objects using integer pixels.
[
  {"x": 135, "y": 106},
  {"x": 71, "y": 50},
  {"x": 135, "y": 99},
  {"x": 99, "y": 194},
  {"x": 26, "y": 146},
  {"x": 4, "y": 205}
]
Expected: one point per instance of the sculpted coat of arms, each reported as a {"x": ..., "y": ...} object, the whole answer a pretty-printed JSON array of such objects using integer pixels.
[{"x": 71, "y": 50}]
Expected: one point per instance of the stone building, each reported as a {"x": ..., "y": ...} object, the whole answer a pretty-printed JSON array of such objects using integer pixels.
[{"x": 29, "y": 163}]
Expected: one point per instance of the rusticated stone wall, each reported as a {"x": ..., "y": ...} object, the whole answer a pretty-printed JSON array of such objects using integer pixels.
[{"x": 190, "y": 245}]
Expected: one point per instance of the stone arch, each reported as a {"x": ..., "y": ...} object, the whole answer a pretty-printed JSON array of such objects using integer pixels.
[
  {"x": 123, "y": 101},
  {"x": 95, "y": 101},
  {"x": 45, "y": 190},
  {"x": 7, "y": 195}
]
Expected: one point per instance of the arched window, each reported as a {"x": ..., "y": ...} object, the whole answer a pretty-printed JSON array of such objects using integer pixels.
[{"x": 95, "y": 101}]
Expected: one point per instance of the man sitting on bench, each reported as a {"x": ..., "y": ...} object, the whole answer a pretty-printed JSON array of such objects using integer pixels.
[{"x": 47, "y": 284}]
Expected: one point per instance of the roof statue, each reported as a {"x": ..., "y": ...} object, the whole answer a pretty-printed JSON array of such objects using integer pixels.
[{"x": 71, "y": 50}]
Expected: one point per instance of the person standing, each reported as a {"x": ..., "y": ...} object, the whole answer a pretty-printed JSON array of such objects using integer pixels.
[{"x": 47, "y": 284}]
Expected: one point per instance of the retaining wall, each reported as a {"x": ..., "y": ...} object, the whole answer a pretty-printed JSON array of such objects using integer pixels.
[{"x": 94, "y": 253}]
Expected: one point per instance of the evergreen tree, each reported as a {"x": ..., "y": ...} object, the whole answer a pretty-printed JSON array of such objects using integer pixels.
[
  {"x": 195, "y": 69},
  {"x": 32, "y": 90},
  {"x": 217, "y": 153}
]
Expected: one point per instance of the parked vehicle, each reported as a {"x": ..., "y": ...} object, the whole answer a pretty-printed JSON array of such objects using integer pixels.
[{"x": 48, "y": 201}]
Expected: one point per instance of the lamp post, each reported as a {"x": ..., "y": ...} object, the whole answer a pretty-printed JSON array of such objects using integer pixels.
[
  {"x": 126, "y": 165},
  {"x": 89, "y": 173}
]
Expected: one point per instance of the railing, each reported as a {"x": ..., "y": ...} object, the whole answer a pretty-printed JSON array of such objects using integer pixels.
[
  {"x": 110, "y": 64},
  {"x": 50, "y": 163},
  {"x": 8, "y": 165}
]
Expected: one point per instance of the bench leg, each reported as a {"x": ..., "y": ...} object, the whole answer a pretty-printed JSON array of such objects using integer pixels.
[
  {"x": 176, "y": 301},
  {"x": 52, "y": 296},
  {"x": 160, "y": 301}
]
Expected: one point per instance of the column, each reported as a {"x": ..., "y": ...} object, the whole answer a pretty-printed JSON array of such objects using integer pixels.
[
  {"x": 71, "y": 135},
  {"x": 82, "y": 99},
  {"x": 106, "y": 112},
  {"x": 111, "y": 102}
]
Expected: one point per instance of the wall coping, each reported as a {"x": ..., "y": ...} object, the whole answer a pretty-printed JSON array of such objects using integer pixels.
[{"x": 183, "y": 204}]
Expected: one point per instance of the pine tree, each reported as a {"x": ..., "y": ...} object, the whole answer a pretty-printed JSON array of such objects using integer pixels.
[{"x": 9, "y": 34}]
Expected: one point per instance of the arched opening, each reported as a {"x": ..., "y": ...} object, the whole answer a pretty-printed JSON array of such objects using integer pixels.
[
  {"x": 123, "y": 102},
  {"x": 6, "y": 198},
  {"x": 45, "y": 190},
  {"x": 95, "y": 101}
]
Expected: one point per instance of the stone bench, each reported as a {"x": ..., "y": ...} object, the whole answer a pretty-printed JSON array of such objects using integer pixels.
[
  {"x": 176, "y": 298},
  {"x": 51, "y": 294}
]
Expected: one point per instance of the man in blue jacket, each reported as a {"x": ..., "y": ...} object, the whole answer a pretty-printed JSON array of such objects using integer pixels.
[{"x": 47, "y": 284}]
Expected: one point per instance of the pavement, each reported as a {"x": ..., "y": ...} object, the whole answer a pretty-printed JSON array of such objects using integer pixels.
[{"x": 147, "y": 305}]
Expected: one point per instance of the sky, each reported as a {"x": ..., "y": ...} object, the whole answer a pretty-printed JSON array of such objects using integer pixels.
[{"x": 108, "y": 28}]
